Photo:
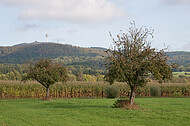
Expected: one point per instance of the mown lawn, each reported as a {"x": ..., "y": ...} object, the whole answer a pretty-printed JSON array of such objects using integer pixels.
[{"x": 94, "y": 112}]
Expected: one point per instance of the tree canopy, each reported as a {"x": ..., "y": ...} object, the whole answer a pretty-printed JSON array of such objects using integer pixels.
[
  {"x": 46, "y": 73},
  {"x": 132, "y": 60}
]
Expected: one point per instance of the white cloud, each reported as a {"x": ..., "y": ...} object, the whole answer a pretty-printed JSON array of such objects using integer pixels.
[{"x": 77, "y": 11}]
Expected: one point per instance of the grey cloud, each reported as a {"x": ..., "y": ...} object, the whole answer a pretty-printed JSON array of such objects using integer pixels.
[
  {"x": 59, "y": 39},
  {"x": 27, "y": 27},
  {"x": 177, "y": 1},
  {"x": 71, "y": 31},
  {"x": 187, "y": 47}
]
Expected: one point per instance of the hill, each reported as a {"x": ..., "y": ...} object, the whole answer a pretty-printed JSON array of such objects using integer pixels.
[
  {"x": 179, "y": 57},
  {"x": 22, "y": 53},
  {"x": 78, "y": 59}
]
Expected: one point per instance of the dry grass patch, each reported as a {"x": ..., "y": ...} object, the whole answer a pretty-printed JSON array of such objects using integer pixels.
[{"x": 124, "y": 104}]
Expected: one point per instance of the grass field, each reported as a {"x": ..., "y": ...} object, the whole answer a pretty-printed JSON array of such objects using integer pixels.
[{"x": 94, "y": 112}]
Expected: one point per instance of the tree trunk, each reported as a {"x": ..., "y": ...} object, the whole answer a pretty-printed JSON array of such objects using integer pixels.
[
  {"x": 47, "y": 93},
  {"x": 132, "y": 96}
]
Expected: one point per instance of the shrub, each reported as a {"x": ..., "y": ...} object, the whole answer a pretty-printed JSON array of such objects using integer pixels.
[
  {"x": 111, "y": 92},
  {"x": 155, "y": 91}
]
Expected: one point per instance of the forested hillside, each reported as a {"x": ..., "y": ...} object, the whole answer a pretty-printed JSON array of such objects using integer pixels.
[
  {"x": 79, "y": 60},
  {"x": 179, "y": 57},
  {"x": 22, "y": 53}
]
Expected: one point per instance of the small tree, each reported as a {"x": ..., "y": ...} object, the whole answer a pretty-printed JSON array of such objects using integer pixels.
[
  {"x": 46, "y": 73},
  {"x": 132, "y": 60}
]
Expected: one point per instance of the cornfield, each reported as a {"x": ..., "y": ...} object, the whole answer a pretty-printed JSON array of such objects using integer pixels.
[{"x": 31, "y": 89}]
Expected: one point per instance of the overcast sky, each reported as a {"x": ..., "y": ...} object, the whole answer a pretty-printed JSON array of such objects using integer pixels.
[{"x": 87, "y": 23}]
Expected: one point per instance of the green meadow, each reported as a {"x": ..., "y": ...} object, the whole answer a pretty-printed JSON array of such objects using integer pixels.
[{"x": 94, "y": 112}]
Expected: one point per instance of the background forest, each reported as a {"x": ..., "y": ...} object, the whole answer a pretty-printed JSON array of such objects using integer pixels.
[{"x": 85, "y": 64}]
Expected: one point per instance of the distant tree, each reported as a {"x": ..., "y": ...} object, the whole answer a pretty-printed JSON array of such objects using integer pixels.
[
  {"x": 80, "y": 76},
  {"x": 11, "y": 76},
  {"x": 99, "y": 77},
  {"x": 88, "y": 77},
  {"x": 72, "y": 77},
  {"x": 3, "y": 77},
  {"x": 46, "y": 73},
  {"x": 132, "y": 60},
  {"x": 17, "y": 75}
]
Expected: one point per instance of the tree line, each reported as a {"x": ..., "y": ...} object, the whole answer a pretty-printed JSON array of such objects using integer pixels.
[{"x": 15, "y": 75}]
